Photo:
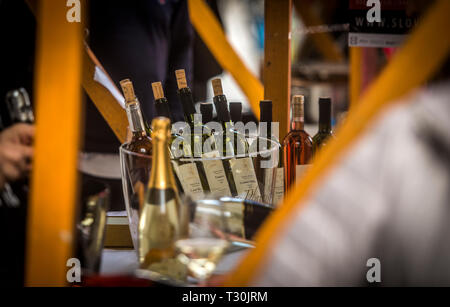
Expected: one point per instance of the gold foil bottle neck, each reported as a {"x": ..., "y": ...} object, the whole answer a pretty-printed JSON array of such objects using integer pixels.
[
  {"x": 158, "y": 91},
  {"x": 161, "y": 176},
  {"x": 128, "y": 91},
  {"x": 161, "y": 129},
  {"x": 298, "y": 110},
  {"x": 217, "y": 87},
  {"x": 181, "y": 78}
]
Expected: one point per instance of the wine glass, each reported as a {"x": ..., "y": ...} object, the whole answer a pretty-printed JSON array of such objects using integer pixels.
[{"x": 207, "y": 240}]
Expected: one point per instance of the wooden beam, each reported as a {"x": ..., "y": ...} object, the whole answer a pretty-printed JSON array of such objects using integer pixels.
[
  {"x": 51, "y": 214},
  {"x": 102, "y": 98},
  {"x": 277, "y": 59},
  {"x": 212, "y": 34}
]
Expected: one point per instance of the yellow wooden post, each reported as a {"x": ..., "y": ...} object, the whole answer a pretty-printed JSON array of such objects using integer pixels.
[
  {"x": 277, "y": 59},
  {"x": 51, "y": 214}
]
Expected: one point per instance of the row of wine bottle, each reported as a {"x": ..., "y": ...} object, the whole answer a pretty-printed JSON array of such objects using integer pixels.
[
  {"x": 236, "y": 176},
  {"x": 298, "y": 146},
  {"x": 232, "y": 176}
]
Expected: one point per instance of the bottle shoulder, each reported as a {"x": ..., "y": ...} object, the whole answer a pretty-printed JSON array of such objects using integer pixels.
[
  {"x": 141, "y": 145},
  {"x": 321, "y": 135},
  {"x": 298, "y": 136}
]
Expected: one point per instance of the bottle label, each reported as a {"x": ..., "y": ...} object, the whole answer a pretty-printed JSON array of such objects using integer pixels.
[
  {"x": 190, "y": 180},
  {"x": 245, "y": 178},
  {"x": 300, "y": 170},
  {"x": 278, "y": 193},
  {"x": 215, "y": 174}
]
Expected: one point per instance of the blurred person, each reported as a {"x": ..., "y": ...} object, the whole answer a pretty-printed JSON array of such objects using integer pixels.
[
  {"x": 388, "y": 200},
  {"x": 145, "y": 41},
  {"x": 16, "y": 152}
]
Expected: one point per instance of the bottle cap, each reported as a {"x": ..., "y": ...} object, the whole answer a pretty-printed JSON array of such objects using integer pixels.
[
  {"x": 158, "y": 91},
  {"x": 298, "y": 99},
  {"x": 217, "y": 87},
  {"x": 206, "y": 109},
  {"x": 181, "y": 78},
  {"x": 236, "y": 112},
  {"x": 265, "y": 107}
]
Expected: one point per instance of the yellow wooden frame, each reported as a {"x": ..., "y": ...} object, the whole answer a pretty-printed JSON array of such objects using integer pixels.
[{"x": 51, "y": 213}]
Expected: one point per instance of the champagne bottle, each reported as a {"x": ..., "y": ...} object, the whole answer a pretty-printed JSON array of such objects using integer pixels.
[
  {"x": 140, "y": 142},
  {"x": 186, "y": 171},
  {"x": 325, "y": 131},
  {"x": 297, "y": 145},
  {"x": 239, "y": 169},
  {"x": 159, "y": 224}
]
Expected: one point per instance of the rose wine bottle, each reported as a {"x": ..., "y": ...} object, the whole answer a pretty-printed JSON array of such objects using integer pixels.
[{"x": 297, "y": 145}]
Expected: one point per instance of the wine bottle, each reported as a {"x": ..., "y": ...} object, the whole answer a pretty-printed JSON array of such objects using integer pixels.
[
  {"x": 214, "y": 167},
  {"x": 159, "y": 224},
  {"x": 186, "y": 171},
  {"x": 325, "y": 131},
  {"x": 198, "y": 134},
  {"x": 236, "y": 112},
  {"x": 242, "y": 178},
  {"x": 297, "y": 145},
  {"x": 140, "y": 141},
  {"x": 265, "y": 175}
]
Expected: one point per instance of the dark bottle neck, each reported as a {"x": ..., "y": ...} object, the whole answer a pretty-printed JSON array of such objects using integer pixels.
[
  {"x": 187, "y": 101},
  {"x": 162, "y": 108},
  {"x": 135, "y": 119},
  {"x": 325, "y": 116},
  {"x": 236, "y": 112},
  {"x": 223, "y": 114}
]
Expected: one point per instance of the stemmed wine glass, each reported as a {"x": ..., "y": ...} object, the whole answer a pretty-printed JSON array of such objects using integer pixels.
[{"x": 207, "y": 239}]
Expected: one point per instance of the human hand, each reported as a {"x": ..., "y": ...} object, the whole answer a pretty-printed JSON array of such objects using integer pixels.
[{"x": 16, "y": 152}]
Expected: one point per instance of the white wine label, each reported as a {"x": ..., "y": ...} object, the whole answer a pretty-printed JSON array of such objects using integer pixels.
[
  {"x": 215, "y": 174},
  {"x": 245, "y": 178},
  {"x": 300, "y": 170},
  {"x": 190, "y": 180},
  {"x": 278, "y": 194}
]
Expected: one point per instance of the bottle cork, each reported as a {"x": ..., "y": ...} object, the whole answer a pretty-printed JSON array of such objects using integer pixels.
[
  {"x": 181, "y": 78},
  {"x": 217, "y": 87},
  {"x": 158, "y": 91},
  {"x": 128, "y": 91},
  {"x": 298, "y": 111}
]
